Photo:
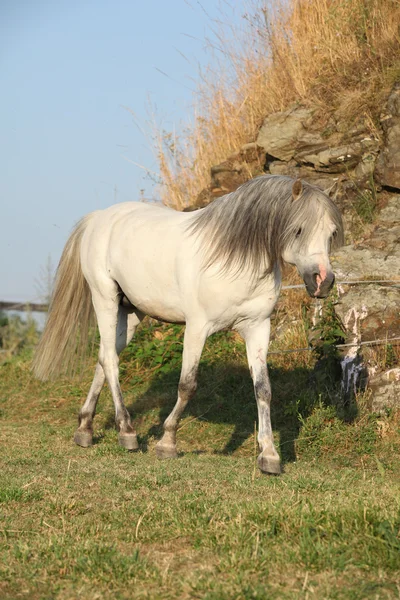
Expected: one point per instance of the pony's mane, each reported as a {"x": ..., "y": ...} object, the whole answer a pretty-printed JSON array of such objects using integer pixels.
[{"x": 251, "y": 227}]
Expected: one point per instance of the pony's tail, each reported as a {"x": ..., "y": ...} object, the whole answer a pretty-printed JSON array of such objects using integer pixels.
[{"x": 70, "y": 316}]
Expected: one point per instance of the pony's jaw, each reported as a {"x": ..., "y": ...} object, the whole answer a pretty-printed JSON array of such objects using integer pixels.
[{"x": 318, "y": 282}]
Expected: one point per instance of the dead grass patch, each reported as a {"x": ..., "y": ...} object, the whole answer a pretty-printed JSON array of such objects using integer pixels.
[{"x": 335, "y": 55}]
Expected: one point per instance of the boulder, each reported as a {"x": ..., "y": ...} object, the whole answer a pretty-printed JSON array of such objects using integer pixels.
[
  {"x": 369, "y": 312},
  {"x": 282, "y": 132},
  {"x": 363, "y": 262},
  {"x": 294, "y": 134},
  {"x": 378, "y": 256},
  {"x": 341, "y": 158},
  {"x": 388, "y": 164},
  {"x": 385, "y": 390},
  {"x": 391, "y": 212},
  {"x": 227, "y": 176}
]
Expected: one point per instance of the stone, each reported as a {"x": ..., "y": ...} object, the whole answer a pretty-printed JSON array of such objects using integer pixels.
[
  {"x": 278, "y": 167},
  {"x": 378, "y": 256},
  {"x": 291, "y": 137},
  {"x": 227, "y": 176},
  {"x": 363, "y": 262},
  {"x": 282, "y": 132},
  {"x": 388, "y": 163},
  {"x": 365, "y": 168},
  {"x": 237, "y": 169},
  {"x": 369, "y": 312},
  {"x": 391, "y": 212},
  {"x": 341, "y": 158},
  {"x": 325, "y": 182},
  {"x": 385, "y": 390}
]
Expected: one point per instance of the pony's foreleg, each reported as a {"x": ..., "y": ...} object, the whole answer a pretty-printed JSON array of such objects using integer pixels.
[
  {"x": 128, "y": 319},
  {"x": 257, "y": 339},
  {"x": 193, "y": 344}
]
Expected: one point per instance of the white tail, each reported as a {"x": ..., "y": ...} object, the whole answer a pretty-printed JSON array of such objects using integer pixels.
[{"x": 70, "y": 316}]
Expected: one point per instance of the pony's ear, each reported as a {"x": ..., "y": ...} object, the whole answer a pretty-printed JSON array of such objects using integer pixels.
[{"x": 297, "y": 189}]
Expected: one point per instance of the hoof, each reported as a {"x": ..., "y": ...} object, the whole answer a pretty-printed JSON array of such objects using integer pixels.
[
  {"x": 269, "y": 465},
  {"x": 83, "y": 438},
  {"x": 166, "y": 451},
  {"x": 128, "y": 441}
]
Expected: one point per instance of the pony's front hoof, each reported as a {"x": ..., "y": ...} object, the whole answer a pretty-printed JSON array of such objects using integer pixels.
[
  {"x": 269, "y": 465},
  {"x": 163, "y": 451},
  {"x": 83, "y": 438},
  {"x": 128, "y": 441}
]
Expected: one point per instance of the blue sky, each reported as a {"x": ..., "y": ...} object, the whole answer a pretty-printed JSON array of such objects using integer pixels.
[{"x": 68, "y": 73}]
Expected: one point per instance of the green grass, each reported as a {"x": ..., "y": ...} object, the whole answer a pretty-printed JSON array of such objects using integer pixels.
[{"x": 102, "y": 523}]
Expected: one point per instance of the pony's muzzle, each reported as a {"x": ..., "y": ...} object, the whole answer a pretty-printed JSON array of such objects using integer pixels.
[{"x": 316, "y": 285}]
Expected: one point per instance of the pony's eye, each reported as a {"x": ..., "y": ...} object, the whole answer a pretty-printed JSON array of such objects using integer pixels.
[
  {"x": 298, "y": 233},
  {"x": 334, "y": 234}
]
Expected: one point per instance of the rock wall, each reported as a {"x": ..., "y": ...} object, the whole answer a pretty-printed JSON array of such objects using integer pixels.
[{"x": 359, "y": 166}]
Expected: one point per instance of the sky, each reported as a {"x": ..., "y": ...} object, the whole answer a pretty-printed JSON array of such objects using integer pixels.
[{"x": 77, "y": 80}]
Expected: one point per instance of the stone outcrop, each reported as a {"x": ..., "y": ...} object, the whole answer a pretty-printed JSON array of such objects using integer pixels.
[
  {"x": 294, "y": 143},
  {"x": 292, "y": 135},
  {"x": 370, "y": 312},
  {"x": 378, "y": 255},
  {"x": 385, "y": 390},
  {"x": 388, "y": 166},
  {"x": 238, "y": 168},
  {"x": 284, "y": 133},
  {"x": 226, "y": 177}
]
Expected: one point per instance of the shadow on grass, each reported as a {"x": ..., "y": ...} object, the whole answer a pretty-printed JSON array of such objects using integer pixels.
[{"x": 225, "y": 396}]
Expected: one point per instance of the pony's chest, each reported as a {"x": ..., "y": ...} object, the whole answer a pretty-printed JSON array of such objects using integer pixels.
[
  {"x": 255, "y": 308},
  {"x": 237, "y": 302}
]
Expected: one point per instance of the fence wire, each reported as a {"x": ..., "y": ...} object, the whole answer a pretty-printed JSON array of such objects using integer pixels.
[
  {"x": 299, "y": 286},
  {"x": 355, "y": 282},
  {"x": 354, "y": 344}
]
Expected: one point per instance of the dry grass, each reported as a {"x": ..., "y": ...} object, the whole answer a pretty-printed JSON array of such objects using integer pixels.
[
  {"x": 382, "y": 357},
  {"x": 337, "y": 55}
]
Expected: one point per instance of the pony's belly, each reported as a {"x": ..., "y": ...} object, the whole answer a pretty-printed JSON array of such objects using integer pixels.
[
  {"x": 159, "y": 304},
  {"x": 161, "y": 312}
]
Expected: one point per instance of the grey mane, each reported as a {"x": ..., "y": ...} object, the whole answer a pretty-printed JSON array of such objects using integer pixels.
[{"x": 251, "y": 227}]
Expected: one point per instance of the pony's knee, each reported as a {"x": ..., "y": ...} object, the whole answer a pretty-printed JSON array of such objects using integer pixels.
[
  {"x": 262, "y": 389},
  {"x": 187, "y": 388}
]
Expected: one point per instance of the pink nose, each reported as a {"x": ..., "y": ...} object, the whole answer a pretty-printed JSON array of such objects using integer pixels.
[
  {"x": 322, "y": 272},
  {"x": 320, "y": 278}
]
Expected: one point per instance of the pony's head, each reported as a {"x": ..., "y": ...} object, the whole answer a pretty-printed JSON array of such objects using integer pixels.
[
  {"x": 268, "y": 221},
  {"x": 313, "y": 229}
]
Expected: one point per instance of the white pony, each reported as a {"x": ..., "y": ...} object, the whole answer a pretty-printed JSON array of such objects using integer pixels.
[{"x": 211, "y": 269}]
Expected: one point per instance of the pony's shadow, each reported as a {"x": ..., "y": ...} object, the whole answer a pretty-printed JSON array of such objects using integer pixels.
[{"x": 225, "y": 396}]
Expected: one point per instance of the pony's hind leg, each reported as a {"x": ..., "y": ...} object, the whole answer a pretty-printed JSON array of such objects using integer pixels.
[
  {"x": 194, "y": 340},
  {"x": 84, "y": 434},
  {"x": 257, "y": 339},
  {"x": 128, "y": 319}
]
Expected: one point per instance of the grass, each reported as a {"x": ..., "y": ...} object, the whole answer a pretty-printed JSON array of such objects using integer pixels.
[
  {"x": 102, "y": 523},
  {"x": 16, "y": 334},
  {"x": 339, "y": 56}
]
